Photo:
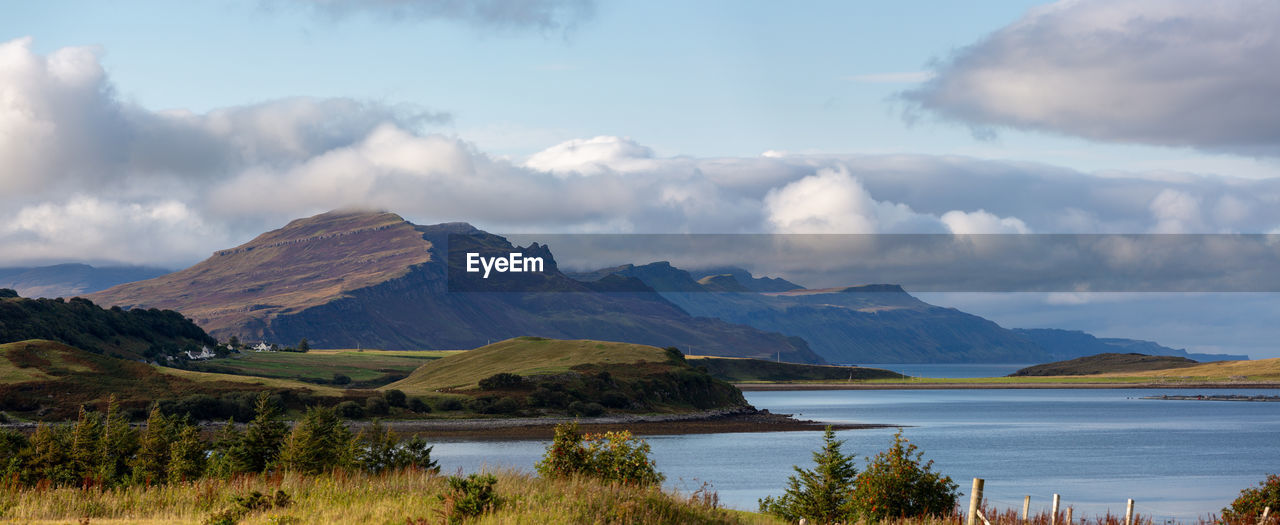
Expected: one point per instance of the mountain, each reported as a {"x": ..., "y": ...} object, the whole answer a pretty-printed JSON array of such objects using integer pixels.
[
  {"x": 1070, "y": 344},
  {"x": 80, "y": 323},
  {"x": 69, "y": 280},
  {"x": 372, "y": 279},
  {"x": 748, "y": 281},
  {"x": 877, "y": 323}
]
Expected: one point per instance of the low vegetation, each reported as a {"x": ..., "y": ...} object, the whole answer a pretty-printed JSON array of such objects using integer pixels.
[
  {"x": 1106, "y": 363},
  {"x": 896, "y": 483},
  {"x": 1253, "y": 501},
  {"x": 536, "y": 376},
  {"x": 361, "y": 368},
  {"x": 741, "y": 370}
]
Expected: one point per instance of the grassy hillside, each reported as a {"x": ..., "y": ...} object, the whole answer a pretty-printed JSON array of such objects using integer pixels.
[
  {"x": 740, "y": 370},
  {"x": 50, "y": 380},
  {"x": 526, "y": 356},
  {"x": 582, "y": 377},
  {"x": 362, "y": 367},
  {"x": 1106, "y": 363},
  {"x": 1257, "y": 369},
  {"x": 407, "y": 496}
]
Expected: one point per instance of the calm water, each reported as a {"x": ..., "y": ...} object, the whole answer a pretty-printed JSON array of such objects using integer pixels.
[
  {"x": 956, "y": 370},
  {"x": 1178, "y": 459}
]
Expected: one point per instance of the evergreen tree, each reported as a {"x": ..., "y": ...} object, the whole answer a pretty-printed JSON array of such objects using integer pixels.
[
  {"x": 377, "y": 451},
  {"x": 260, "y": 445},
  {"x": 48, "y": 456},
  {"x": 118, "y": 444},
  {"x": 821, "y": 495},
  {"x": 187, "y": 459},
  {"x": 898, "y": 484},
  {"x": 86, "y": 434},
  {"x": 319, "y": 442},
  {"x": 225, "y": 458},
  {"x": 304, "y": 346},
  {"x": 151, "y": 464}
]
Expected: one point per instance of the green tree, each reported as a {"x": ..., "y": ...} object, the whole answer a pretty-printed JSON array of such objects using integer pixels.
[
  {"x": 821, "y": 495},
  {"x": 319, "y": 442},
  {"x": 263, "y": 436},
  {"x": 48, "y": 456},
  {"x": 612, "y": 456},
  {"x": 225, "y": 457},
  {"x": 85, "y": 436},
  {"x": 897, "y": 484},
  {"x": 395, "y": 398},
  {"x": 304, "y": 346},
  {"x": 117, "y": 446},
  {"x": 187, "y": 456},
  {"x": 151, "y": 463}
]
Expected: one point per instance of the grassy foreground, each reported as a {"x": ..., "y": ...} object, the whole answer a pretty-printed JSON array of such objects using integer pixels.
[{"x": 394, "y": 498}]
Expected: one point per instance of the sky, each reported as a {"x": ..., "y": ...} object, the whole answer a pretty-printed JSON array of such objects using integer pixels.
[{"x": 157, "y": 132}]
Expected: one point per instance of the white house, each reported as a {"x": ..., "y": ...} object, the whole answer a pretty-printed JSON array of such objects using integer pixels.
[
  {"x": 262, "y": 347},
  {"x": 205, "y": 353}
]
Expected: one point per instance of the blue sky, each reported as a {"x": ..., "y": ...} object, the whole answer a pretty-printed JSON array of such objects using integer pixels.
[{"x": 156, "y": 132}]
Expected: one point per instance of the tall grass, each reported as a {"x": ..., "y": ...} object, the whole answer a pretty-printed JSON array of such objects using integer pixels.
[{"x": 409, "y": 496}]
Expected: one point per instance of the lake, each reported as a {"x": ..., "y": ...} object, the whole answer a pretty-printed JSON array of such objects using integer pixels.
[{"x": 1177, "y": 459}]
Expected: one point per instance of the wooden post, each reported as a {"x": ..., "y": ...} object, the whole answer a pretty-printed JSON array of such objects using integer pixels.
[
  {"x": 1069, "y": 509},
  {"x": 1026, "y": 507},
  {"x": 1128, "y": 513},
  {"x": 1053, "y": 514},
  {"x": 1265, "y": 512},
  {"x": 975, "y": 499}
]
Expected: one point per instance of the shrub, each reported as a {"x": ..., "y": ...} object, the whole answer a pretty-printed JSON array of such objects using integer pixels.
[
  {"x": 242, "y": 506},
  {"x": 821, "y": 495},
  {"x": 418, "y": 405},
  {"x": 503, "y": 381},
  {"x": 376, "y": 406},
  {"x": 341, "y": 379},
  {"x": 395, "y": 398},
  {"x": 578, "y": 408},
  {"x": 449, "y": 404},
  {"x": 1249, "y": 505},
  {"x": 896, "y": 484},
  {"x": 612, "y": 456},
  {"x": 469, "y": 496},
  {"x": 350, "y": 410}
]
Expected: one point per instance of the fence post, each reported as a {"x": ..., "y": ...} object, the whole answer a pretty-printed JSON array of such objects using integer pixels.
[
  {"x": 1128, "y": 513},
  {"x": 1026, "y": 507},
  {"x": 1053, "y": 514},
  {"x": 975, "y": 499},
  {"x": 1069, "y": 509},
  {"x": 1265, "y": 512}
]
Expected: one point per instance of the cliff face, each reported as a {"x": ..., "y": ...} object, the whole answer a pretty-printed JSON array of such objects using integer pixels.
[
  {"x": 347, "y": 279},
  {"x": 876, "y": 323}
]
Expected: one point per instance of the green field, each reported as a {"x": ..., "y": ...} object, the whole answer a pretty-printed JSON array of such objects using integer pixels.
[
  {"x": 362, "y": 366},
  {"x": 525, "y": 356}
]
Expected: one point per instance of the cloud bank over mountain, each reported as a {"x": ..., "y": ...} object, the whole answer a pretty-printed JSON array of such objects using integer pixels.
[
  {"x": 90, "y": 175},
  {"x": 1185, "y": 73}
]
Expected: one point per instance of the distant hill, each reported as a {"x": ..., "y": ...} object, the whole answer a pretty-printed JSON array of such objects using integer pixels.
[
  {"x": 80, "y": 323},
  {"x": 1106, "y": 364},
  {"x": 553, "y": 374},
  {"x": 69, "y": 280},
  {"x": 748, "y": 281},
  {"x": 349, "y": 279},
  {"x": 742, "y": 370},
  {"x": 50, "y": 380},
  {"x": 1069, "y": 344},
  {"x": 876, "y": 323}
]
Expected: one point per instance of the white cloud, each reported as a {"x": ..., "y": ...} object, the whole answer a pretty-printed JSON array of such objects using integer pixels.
[
  {"x": 1177, "y": 73},
  {"x": 87, "y": 176},
  {"x": 503, "y": 14}
]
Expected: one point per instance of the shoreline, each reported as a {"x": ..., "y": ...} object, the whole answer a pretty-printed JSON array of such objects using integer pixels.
[{"x": 759, "y": 387}]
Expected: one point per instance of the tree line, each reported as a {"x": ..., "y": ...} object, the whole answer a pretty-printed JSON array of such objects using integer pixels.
[{"x": 103, "y": 449}]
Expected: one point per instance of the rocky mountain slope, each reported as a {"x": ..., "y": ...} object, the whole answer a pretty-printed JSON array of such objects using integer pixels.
[
  {"x": 68, "y": 280},
  {"x": 372, "y": 279},
  {"x": 1070, "y": 344}
]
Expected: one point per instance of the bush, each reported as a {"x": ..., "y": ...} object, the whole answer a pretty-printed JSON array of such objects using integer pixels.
[
  {"x": 578, "y": 408},
  {"x": 821, "y": 495},
  {"x": 340, "y": 379},
  {"x": 503, "y": 381},
  {"x": 469, "y": 496},
  {"x": 350, "y": 410},
  {"x": 242, "y": 506},
  {"x": 1249, "y": 505},
  {"x": 376, "y": 406},
  {"x": 449, "y": 404},
  {"x": 896, "y": 484},
  {"x": 418, "y": 405},
  {"x": 395, "y": 398},
  {"x": 612, "y": 456}
]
